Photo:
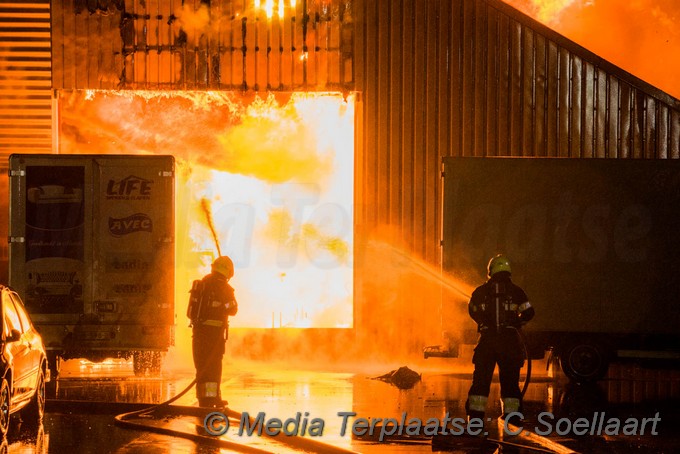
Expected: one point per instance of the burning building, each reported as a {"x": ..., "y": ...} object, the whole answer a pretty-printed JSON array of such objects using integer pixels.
[{"x": 316, "y": 130}]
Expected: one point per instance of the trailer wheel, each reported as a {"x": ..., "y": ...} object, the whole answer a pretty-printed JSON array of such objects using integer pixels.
[{"x": 584, "y": 361}]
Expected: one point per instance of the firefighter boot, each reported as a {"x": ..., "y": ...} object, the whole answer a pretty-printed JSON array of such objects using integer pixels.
[
  {"x": 512, "y": 411},
  {"x": 208, "y": 395},
  {"x": 475, "y": 407}
]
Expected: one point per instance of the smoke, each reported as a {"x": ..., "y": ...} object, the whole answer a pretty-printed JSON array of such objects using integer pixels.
[
  {"x": 543, "y": 10},
  {"x": 640, "y": 36},
  {"x": 207, "y": 23},
  {"x": 408, "y": 303},
  {"x": 277, "y": 175},
  {"x": 301, "y": 227},
  {"x": 194, "y": 21},
  {"x": 217, "y": 130}
]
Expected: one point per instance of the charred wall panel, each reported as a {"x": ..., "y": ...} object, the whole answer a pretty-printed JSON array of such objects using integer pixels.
[
  {"x": 478, "y": 78},
  {"x": 200, "y": 44}
]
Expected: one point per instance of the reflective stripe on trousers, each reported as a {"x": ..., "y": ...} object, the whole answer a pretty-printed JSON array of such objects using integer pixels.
[
  {"x": 207, "y": 389},
  {"x": 477, "y": 403},
  {"x": 510, "y": 405}
]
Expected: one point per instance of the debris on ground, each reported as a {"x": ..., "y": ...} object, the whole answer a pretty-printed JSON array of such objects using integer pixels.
[{"x": 402, "y": 378}]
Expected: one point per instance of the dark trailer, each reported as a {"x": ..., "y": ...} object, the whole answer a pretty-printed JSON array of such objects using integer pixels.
[{"x": 594, "y": 243}]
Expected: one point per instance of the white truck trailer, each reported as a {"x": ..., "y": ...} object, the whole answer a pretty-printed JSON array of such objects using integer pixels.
[{"x": 91, "y": 252}]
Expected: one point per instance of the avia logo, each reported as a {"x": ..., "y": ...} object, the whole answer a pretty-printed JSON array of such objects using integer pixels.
[
  {"x": 129, "y": 188},
  {"x": 138, "y": 222}
]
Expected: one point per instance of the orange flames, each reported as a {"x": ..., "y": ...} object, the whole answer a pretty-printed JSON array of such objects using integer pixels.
[
  {"x": 198, "y": 20},
  {"x": 641, "y": 36},
  {"x": 269, "y": 7},
  {"x": 545, "y": 11},
  {"x": 278, "y": 174}
]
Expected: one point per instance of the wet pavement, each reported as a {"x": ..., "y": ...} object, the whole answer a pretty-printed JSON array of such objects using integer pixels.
[{"x": 84, "y": 400}]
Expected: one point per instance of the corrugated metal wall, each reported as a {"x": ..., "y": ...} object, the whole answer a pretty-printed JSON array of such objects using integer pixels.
[
  {"x": 25, "y": 91},
  {"x": 25, "y": 78},
  {"x": 472, "y": 78},
  {"x": 255, "y": 45},
  {"x": 436, "y": 78},
  {"x": 478, "y": 78}
]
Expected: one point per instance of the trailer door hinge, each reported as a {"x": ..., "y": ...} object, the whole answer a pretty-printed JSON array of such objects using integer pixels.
[
  {"x": 17, "y": 173},
  {"x": 16, "y": 239}
]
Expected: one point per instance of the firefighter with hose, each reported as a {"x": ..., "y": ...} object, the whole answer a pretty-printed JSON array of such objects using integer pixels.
[
  {"x": 500, "y": 308},
  {"x": 211, "y": 302}
]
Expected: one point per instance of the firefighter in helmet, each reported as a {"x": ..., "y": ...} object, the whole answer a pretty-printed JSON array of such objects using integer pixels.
[
  {"x": 500, "y": 308},
  {"x": 211, "y": 303}
]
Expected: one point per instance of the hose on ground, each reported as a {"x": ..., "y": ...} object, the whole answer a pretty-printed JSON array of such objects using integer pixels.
[
  {"x": 124, "y": 420},
  {"x": 527, "y": 378},
  {"x": 154, "y": 407}
]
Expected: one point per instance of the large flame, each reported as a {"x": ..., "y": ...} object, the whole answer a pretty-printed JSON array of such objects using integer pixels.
[
  {"x": 641, "y": 36},
  {"x": 278, "y": 176}
]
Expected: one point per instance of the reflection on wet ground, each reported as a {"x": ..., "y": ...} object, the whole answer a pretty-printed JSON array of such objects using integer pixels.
[{"x": 630, "y": 391}]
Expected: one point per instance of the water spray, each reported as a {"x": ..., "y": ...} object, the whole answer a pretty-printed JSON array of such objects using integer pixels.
[{"x": 205, "y": 206}]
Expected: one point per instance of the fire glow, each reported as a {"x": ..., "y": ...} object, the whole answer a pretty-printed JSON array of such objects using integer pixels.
[
  {"x": 642, "y": 37},
  {"x": 277, "y": 175}
]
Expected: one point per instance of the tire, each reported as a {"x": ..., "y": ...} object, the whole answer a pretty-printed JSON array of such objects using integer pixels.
[
  {"x": 32, "y": 414},
  {"x": 5, "y": 402},
  {"x": 584, "y": 361}
]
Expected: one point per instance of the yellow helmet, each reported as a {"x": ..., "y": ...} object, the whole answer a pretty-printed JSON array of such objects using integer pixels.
[
  {"x": 497, "y": 264},
  {"x": 224, "y": 266}
]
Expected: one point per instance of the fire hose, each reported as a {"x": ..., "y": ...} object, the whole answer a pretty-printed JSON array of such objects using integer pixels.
[
  {"x": 126, "y": 419},
  {"x": 527, "y": 378},
  {"x": 164, "y": 409}
]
